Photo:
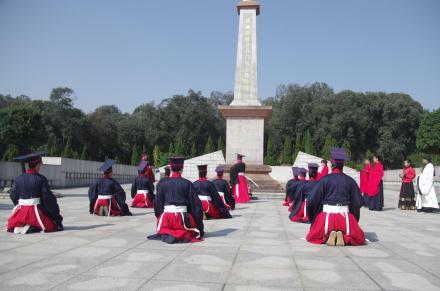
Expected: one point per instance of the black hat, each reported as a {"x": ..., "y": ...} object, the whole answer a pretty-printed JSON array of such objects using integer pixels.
[
  {"x": 427, "y": 157},
  {"x": 338, "y": 154},
  {"x": 202, "y": 168},
  {"x": 177, "y": 161},
  {"x": 108, "y": 164},
  {"x": 31, "y": 158},
  {"x": 142, "y": 165},
  {"x": 240, "y": 156},
  {"x": 313, "y": 166},
  {"x": 302, "y": 171},
  {"x": 295, "y": 171},
  {"x": 220, "y": 169}
]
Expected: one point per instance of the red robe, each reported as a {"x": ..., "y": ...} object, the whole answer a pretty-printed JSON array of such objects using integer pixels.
[
  {"x": 364, "y": 178},
  {"x": 323, "y": 173},
  {"x": 375, "y": 177}
]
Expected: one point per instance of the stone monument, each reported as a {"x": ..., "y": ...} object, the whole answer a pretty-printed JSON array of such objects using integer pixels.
[{"x": 245, "y": 116}]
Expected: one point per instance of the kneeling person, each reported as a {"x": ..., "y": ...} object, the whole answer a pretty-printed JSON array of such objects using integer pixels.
[
  {"x": 334, "y": 206},
  {"x": 224, "y": 189},
  {"x": 213, "y": 206},
  {"x": 178, "y": 208},
  {"x": 142, "y": 189},
  {"x": 36, "y": 208},
  {"x": 107, "y": 198},
  {"x": 299, "y": 211}
]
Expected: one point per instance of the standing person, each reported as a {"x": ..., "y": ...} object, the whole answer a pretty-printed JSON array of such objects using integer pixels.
[
  {"x": 299, "y": 211},
  {"x": 178, "y": 208},
  {"x": 324, "y": 170},
  {"x": 166, "y": 176},
  {"x": 374, "y": 197},
  {"x": 36, "y": 208},
  {"x": 142, "y": 189},
  {"x": 426, "y": 198},
  {"x": 364, "y": 177},
  {"x": 334, "y": 207},
  {"x": 407, "y": 197},
  {"x": 106, "y": 196},
  {"x": 289, "y": 185},
  {"x": 293, "y": 190},
  {"x": 223, "y": 188},
  {"x": 149, "y": 170},
  {"x": 238, "y": 181},
  {"x": 212, "y": 203}
]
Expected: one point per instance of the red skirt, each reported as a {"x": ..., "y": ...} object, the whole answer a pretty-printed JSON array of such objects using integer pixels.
[
  {"x": 336, "y": 222},
  {"x": 141, "y": 201},
  {"x": 210, "y": 210},
  {"x": 241, "y": 192},
  {"x": 115, "y": 209},
  {"x": 172, "y": 224},
  {"x": 301, "y": 216},
  {"x": 27, "y": 215}
]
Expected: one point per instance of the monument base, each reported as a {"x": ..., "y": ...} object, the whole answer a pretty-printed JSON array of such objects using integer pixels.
[
  {"x": 245, "y": 132},
  {"x": 260, "y": 175}
]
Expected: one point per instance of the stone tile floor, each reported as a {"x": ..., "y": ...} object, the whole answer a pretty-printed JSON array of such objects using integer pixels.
[{"x": 259, "y": 249}]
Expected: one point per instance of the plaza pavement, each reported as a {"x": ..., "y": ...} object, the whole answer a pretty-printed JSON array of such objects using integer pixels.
[{"x": 259, "y": 249}]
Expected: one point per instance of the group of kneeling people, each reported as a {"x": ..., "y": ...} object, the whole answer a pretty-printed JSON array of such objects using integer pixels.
[
  {"x": 331, "y": 203},
  {"x": 179, "y": 205}
]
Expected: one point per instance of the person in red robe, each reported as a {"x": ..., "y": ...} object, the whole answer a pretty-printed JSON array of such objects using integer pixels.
[
  {"x": 142, "y": 189},
  {"x": 374, "y": 198},
  {"x": 333, "y": 207},
  {"x": 289, "y": 184},
  {"x": 364, "y": 177},
  {"x": 149, "y": 170},
  {"x": 324, "y": 170},
  {"x": 238, "y": 181},
  {"x": 407, "y": 199}
]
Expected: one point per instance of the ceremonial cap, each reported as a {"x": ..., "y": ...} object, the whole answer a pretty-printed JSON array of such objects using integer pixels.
[
  {"x": 313, "y": 166},
  {"x": 177, "y": 161},
  {"x": 142, "y": 165},
  {"x": 240, "y": 156},
  {"x": 220, "y": 169},
  {"x": 295, "y": 171},
  {"x": 108, "y": 164},
  {"x": 31, "y": 158},
  {"x": 302, "y": 171},
  {"x": 202, "y": 168},
  {"x": 338, "y": 154}
]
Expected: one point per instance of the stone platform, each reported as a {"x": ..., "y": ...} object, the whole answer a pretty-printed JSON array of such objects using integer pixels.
[{"x": 259, "y": 249}]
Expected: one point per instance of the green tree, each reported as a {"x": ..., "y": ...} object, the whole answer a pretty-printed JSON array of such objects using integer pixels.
[
  {"x": 157, "y": 156},
  {"x": 347, "y": 148},
  {"x": 308, "y": 143},
  {"x": 271, "y": 153},
  {"x": 298, "y": 144},
  {"x": 67, "y": 151},
  {"x": 287, "y": 151},
  {"x": 193, "y": 150},
  {"x": 221, "y": 145},
  {"x": 84, "y": 154},
  {"x": 135, "y": 156},
  {"x": 209, "y": 147},
  {"x": 171, "y": 150},
  {"x": 10, "y": 153},
  {"x": 180, "y": 147},
  {"x": 428, "y": 134},
  {"x": 328, "y": 144}
]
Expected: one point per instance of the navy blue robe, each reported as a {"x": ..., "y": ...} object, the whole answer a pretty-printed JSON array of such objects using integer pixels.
[
  {"x": 302, "y": 194},
  {"x": 142, "y": 183},
  {"x": 108, "y": 186},
  {"x": 179, "y": 192},
  {"x": 207, "y": 188},
  {"x": 288, "y": 185},
  {"x": 233, "y": 172},
  {"x": 223, "y": 186},
  {"x": 35, "y": 185},
  {"x": 335, "y": 189},
  {"x": 293, "y": 188}
]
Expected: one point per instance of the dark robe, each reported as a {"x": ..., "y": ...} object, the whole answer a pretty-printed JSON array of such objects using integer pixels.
[
  {"x": 35, "y": 185},
  {"x": 160, "y": 182},
  {"x": 207, "y": 188},
  {"x": 302, "y": 194},
  {"x": 292, "y": 190},
  {"x": 288, "y": 185},
  {"x": 233, "y": 173},
  {"x": 335, "y": 189},
  {"x": 142, "y": 183},
  {"x": 223, "y": 186},
  {"x": 108, "y": 186},
  {"x": 179, "y": 192}
]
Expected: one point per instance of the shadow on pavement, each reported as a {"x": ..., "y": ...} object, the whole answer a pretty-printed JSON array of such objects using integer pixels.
[
  {"x": 218, "y": 233},
  {"x": 6, "y": 206},
  {"x": 371, "y": 236},
  {"x": 86, "y": 227}
]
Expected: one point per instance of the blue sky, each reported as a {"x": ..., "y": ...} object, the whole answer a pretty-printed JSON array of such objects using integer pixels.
[{"x": 130, "y": 52}]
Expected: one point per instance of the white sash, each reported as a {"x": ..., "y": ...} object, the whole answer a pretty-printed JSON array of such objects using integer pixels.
[
  {"x": 31, "y": 202},
  {"x": 343, "y": 210},
  {"x": 176, "y": 209},
  {"x": 205, "y": 198}
]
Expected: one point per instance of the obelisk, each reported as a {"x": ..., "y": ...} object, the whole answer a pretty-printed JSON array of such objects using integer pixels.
[{"x": 245, "y": 116}]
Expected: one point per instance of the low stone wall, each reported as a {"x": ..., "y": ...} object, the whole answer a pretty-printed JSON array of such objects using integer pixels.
[
  {"x": 392, "y": 181},
  {"x": 63, "y": 172}
]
